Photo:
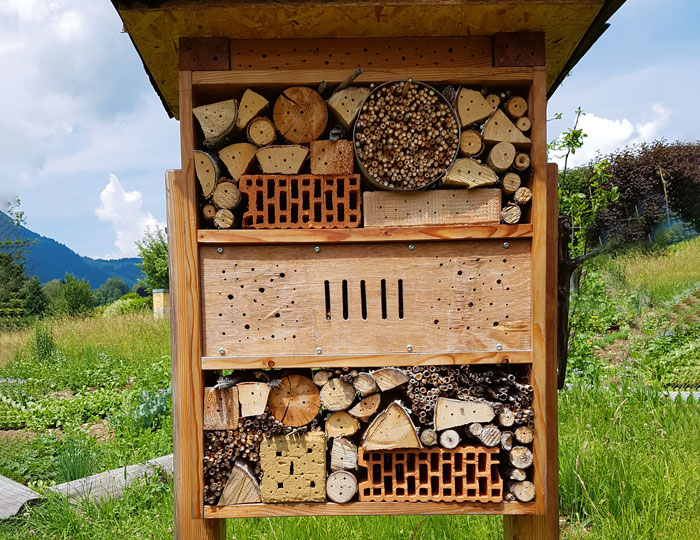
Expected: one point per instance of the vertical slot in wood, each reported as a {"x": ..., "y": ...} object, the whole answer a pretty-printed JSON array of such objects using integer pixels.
[
  {"x": 363, "y": 299},
  {"x": 401, "y": 299},
  {"x": 327, "y": 287},
  {"x": 345, "y": 300},
  {"x": 384, "y": 299}
]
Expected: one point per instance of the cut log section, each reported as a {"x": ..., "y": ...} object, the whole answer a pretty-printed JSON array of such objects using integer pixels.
[
  {"x": 207, "y": 170},
  {"x": 515, "y": 107},
  {"x": 499, "y": 128},
  {"x": 300, "y": 114},
  {"x": 221, "y": 408},
  {"x": 520, "y": 457},
  {"x": 524, "y": 434},
  {"x": 449, "y": 439},
  {"x": 470, "y": 143},
  {"x": 346, "y": 103},
  {"x": 331, "y": 157},
  {"x": 522, "y": 196},
  {"x": 343, "y": 455},
  {"x": 523, "y": 124},
  {"x": 241, "y": 488},
  {"x": 366, "y": 408},
  {"x": 428, "y": 437},
  {"x": 389, "y": 378},
  {"x": 282, "y": 159},
  {"x": 454, "y": 412},
  {"x": 341, "y": 486},
  {"x": 261, "y": 131},
  {"x": 209, "y": 211},
  {"x": 510, "y": 183},
  {"x": 365, "y": 384},
  {"x": 238, "y": 158},
  {"x": 295, "y": 401},
  {"x": 501, "y": 157},
  {"x": 226, "y": 195},
  {"x": 506, "y": 417},
  {"x": 475, "y": 429},
  {"x": 253, "y": 397},
  {"x": 511, "y": 214},
  {"x": 507, "y": 440},
  {"x": 513, "y": 473},
  {"x": 494, "y": 100},
  {"x": 321, "y": 377},
  {"x": 523, "y": 491},
  {"x": 217, "y": 120},
  {"x": 472, "y": 107},
  {"x": 337, "y": 395},
  {"x": 521, "y": 162},
  {"x": 341, "y": 424},
  {"x": 470, "y": 174},
  {"x": 223, "y": 219},
  {"x": 490, "y": 436},
  {"x": 251, "y": 105},
  {"x": 392, "y": 428}
]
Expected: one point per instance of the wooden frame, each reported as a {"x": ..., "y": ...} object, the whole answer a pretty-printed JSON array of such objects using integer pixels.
[{"x": 524, "y": 520}]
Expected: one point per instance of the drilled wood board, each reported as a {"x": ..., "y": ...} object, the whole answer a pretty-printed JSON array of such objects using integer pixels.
[
  {"x": 437, "y": 297},
  {"x": 439, "y": 207}
]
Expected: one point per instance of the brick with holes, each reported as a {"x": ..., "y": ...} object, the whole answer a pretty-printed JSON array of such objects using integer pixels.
[
  {"x": 294, "y": 468},
  {"x": 331, "y": 157}
]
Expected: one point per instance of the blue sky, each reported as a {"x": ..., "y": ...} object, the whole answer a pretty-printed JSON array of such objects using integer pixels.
[{"x": 84, "y": 140}]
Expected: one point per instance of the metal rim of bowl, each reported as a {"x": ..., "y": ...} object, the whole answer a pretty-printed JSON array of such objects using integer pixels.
[{"x": 369, "y": 177}]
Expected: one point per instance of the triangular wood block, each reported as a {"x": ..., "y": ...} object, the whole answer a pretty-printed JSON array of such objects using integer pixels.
[
  {"x": 241, "y": 488},
  {"x": 472, "y": 107},
  {"x": 392, "y": 428},
  {"x": 207, "y": 171},
  {"x": 251, "y": 105},
  {"x": 217, "y": 120},
  {"x": 282, "y": 159},
  {"x": 455, "y": 412},
  {"x": 388, "y": 378},
  {"x": 499, "y": 128},
  {"x": 238, "y": 158}
]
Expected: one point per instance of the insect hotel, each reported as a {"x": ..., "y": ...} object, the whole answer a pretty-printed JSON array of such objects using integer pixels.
[{"x": 363, "y": 254}]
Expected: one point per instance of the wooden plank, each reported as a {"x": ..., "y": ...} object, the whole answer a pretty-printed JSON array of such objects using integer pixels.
[
  {"x": 460, "y": 296},
  {"x": 365, "y": 360},
  {"x": 185, "y": 437},
  {"x": 365, "y": 508},
  {"x": 368, "y": 234},
  {"x": 437, "y": 207},
  {"x": 518, "y": 49},
  {"x": 14, "y": 497},
  {"x": 204, "y": 53}
]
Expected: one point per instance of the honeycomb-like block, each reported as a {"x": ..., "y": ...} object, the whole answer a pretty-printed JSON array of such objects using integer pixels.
[
  {"x": 464, "y": 474},
  {"x": 301, "y": 201},
  {"x": 294, "y": 468}
]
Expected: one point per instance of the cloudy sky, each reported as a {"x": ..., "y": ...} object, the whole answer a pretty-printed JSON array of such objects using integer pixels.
[{"x": 84, "y": 140}]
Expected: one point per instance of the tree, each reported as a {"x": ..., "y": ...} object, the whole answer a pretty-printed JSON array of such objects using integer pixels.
[
  {"x": 35, "y": 301},
  {"x": 111, "y": 290},
  {"x": 12, "y": 279},
  {"x": 153, "y": 250},
  {"x": 77, "y": 296},
  {"x": 52, "y": 291}
]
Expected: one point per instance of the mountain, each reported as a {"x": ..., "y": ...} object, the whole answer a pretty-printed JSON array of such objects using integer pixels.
[{"x": 49, "y": 259}]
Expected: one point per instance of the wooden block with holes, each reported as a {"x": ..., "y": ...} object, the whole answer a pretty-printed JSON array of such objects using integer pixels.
[
  {"x": 221, "y": 409},
  {"x": 294, "y": 468},
  {"x": 331, "y": 157},
  {"x": 439, "y": 207},
  {"x": 464, "y": 474}
]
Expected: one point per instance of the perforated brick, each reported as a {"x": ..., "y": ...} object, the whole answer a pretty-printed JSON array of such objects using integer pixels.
[
  {"x": 294, "y": 468},
  {"x": 464, "y": 474},
  {"x": 301, "y": 201}
]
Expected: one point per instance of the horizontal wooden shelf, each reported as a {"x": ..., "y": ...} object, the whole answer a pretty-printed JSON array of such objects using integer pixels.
[
  {"x": 365, "y": 508},
  {"x": 366, "y": 360},
  {"x": 366, "y": 234}
]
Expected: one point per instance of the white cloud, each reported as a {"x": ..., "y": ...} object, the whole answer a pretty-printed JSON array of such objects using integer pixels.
[
  {"x": 605, "y": 135},
  {"x": 123, "y": 209}
]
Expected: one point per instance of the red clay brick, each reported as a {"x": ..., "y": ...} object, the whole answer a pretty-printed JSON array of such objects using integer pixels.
[
  {"x": 464, "y": 474},
  {"x": 278, "y": 201}
]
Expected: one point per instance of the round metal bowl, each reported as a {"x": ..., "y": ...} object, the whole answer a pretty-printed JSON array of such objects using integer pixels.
[{"x": 368, "y": 177}]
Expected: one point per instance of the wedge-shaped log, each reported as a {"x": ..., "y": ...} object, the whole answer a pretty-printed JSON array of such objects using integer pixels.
[
  {"x": 253, "y": 397},
  {"x": 469, "y": 173},
  {"x": 241, "y": 488},
  {"x": 388, "y": 378},
  {"x": 499, "y": 128},
  {"x": 472, "y": 107},
  {"x": 281, "y": 159},
  {"x": 207, "y": 170},
  {"x": 217, "y": 120},
  {"x": 346, "y": 103},
  {"x": 252, "y": 104},
  {"x": 366, "y": 408},
  {"x": 343, "y": 455},
  {"x": 295, "y": 401},
  {"x": 454, "y": 412},
  {"x": 392, "y": 428},
  {"x": 341, "y": 424},
  {"x": 238, "y": 158},
  {"x": 365, "y": 384},
  {"x": 221, "y": 408}
]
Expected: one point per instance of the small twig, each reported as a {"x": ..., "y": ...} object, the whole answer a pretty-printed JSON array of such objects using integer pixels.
[
  {"x": 412, "y": 534},
  {"x": 349, "y": 80}
]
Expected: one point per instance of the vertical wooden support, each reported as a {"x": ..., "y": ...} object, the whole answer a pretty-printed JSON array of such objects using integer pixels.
[{"x": 544, "y": 525}]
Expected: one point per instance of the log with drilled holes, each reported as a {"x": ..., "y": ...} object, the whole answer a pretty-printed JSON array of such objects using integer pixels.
[
  {"x": 337, "y": 395},
  {"x": 392, "y": 428},
  {"x": 221, "y": 408},
  {"x": 341, "y": 486},
  {"x": 472, "y": 107},
  {"x": 469, "y": 173},
  {"x": 251, "y": 105},
  {"x": 300, "y": 114},
  {"x": 521, "y": 162},
  {"x": 346, "y": 103},
  {"x": 510, "y": 183},
  {"x": 366, "y": 408},
  {"x": 470, "y": 143},
  {"x": 341, "y": 424},
  {"x": 238, "y": 158},
  {"x": 207, "y": 169},
  {"x": 343, "y": 454},
  {"x": 281, "y": 159},
  {"x": 217, "y": 120},
  {"x": 501, "y": 157},
  {"x": 253, "y": 397},
  {"x": 365, "y": 384},
  {"x": 261, "y": 131},
  {"x": 454, "y": 412},
  {"x": 295, "y": 401},
  {"x": 331, "y": 157},
  {"x": 511, "y": 214}
]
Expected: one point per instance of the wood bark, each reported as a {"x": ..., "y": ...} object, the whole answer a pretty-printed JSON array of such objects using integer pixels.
[
  {"x": 207, "y": 169},
  {"x": 226, "y": 195},
  {"x": 521, "y": 162},
  {"x": 428, "y": 437},
  {"x": 365, "y": 384},
  {"x": 221, "y": 408},
  {"x": 366, "y": 408},
  {"x": 510, "y": 183},
  {"x": 468, "y": 173},
  {"x": 454, "y": 412},
  {"x": 242, "y": 487},
  {"x": 392, "y": 428},
  {"x": 522, "y": 196},
  {"x": 252, "y": 104},
  {"x": 343, "y": 454},
  {"x": 217, "y": 120},
  {"x": 515, "y": 107},
  {"x": 341, "y": 424},
  {"x": 346, "y": 103},
  {"x": 300, "y": 114},
  {"x": 341, "y": 486},
  {"x": 449, "y": 439},
  {"x": 490, "y": 436},
  {"x": 223, "y": 219},
  {"x": 253, "y": 397},
  {"x": 470, "y": 143},
  {"x": 472, "y": 107},
  {"x": 295, "y": 401},
  {"x": 238, "y": 158},
  {"x": 261, "y": 131},
  {"x": 337, "y": 395},
  {"x": 523, "y": 491},
  {"x": 511, "y": 214},
  {"x": 501, "y": 157},
  {"x": 278, "y": 159},
  {"x": 388, "y": 378},
  {"x": 520, "y": 457},
  {"x": 499, "y": 128}
]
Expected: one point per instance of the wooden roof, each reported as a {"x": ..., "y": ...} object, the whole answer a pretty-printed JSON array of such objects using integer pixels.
[{"x": 570, "y": 26}]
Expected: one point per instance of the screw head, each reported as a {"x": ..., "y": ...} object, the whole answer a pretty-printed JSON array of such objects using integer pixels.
[
  {"x": 317, "y": 249},
  {"x": 411, "y": 247},
  {"x": 499, "y": 347},
  {"x": 506, "y": 245},
  {"x": 409, "y": 348},
  {"x": 220, "y": 250},
  {"x": 222, "y": 351},
  {"x": 319, "y": 350}
]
